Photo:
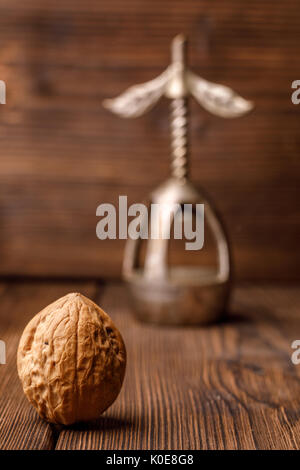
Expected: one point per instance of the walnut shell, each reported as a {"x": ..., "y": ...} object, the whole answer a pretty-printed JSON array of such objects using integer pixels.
[{"x": 71, "y": 360}]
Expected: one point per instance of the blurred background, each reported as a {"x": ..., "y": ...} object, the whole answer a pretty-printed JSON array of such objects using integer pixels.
[{"x": 62, "y": 154}]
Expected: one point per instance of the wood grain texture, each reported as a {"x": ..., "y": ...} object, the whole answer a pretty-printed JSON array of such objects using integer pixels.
[
  {"x": 20, "y": 426},
  {"x": 62, "y": 154},
  {"x": 227, "y": 386}
]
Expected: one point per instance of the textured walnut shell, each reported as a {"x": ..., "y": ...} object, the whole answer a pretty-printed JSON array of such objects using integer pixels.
[{"x": 71, "y": 360}]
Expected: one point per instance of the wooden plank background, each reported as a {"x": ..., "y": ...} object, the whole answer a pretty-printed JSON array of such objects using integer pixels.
[{"x": 62, "y": 154}]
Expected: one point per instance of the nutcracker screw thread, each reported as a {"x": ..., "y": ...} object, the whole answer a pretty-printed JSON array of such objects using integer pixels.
[{"x": 179, "y": 138}]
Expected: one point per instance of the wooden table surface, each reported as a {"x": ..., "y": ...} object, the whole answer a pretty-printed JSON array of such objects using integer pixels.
[{"x": 227, "y": 386}]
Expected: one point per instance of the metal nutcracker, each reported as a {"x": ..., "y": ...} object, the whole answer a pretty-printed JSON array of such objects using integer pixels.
[{"x": 161, "y": 293}]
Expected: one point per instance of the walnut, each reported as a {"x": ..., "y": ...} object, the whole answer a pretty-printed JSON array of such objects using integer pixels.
[{"x": 71, "y": 360}]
